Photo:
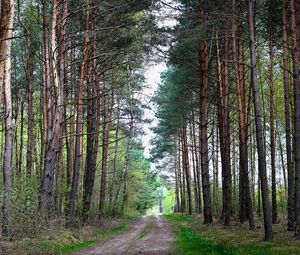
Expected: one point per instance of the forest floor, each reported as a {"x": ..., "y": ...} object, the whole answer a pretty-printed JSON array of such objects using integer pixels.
[
  {"x": 173, "y": 234},
  {"x": 150, "y": 235},
  {"x": 55, "y": 239},
  {"x": 193, "y": 238}
]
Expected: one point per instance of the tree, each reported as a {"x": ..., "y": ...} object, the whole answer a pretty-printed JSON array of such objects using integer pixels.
[
  {"x": 7, "y": 22},
  {"x": 262, "y": 165},
  {"x": 237, "y": 51},
  {"x": 295, "y": 60},
  {"x": 54, "y": 122},
  {"x": 79, "y": 120},
  {"x": 287, "y": 117},
  {"x": 203, "y": 62}
]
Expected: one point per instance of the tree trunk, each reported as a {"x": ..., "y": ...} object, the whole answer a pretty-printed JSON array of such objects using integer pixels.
[
  {"x": 54, "y": 124},
  {"x": 107, "y": 114},
  {"x": 181, "y": 183},
  {"x": 177, "y": 184},
  {"x": 197, "y": 163},
  {"x": 6, "y": 21},
  {"x": 195, "y": 186},
  {"x": 79, "y": 122},
  {"x": 262, "y": 164},
  {"x": 30, "y": 126},
  {"x": 113, "y": 179},
  {"x": 272, "y": 131},
  {"x": 203, "y": 61},
  {"x": 295, "y": 59},
  {"x": 20, "y": 158},
  {"x": 223, "y": 116},
  {"x": 244, "y": 189},
  {"x": 124, "y": 172},
  {"x": 186, "y": 168}
]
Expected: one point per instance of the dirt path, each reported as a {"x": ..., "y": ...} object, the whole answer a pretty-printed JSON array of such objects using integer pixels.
[{"x": 149, "y": 235}]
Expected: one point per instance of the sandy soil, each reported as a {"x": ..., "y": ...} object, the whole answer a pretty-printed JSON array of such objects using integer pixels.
[{"x": 149, "y": 235}]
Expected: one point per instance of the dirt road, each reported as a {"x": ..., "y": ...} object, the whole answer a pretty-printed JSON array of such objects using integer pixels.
[{"x": 149, "y": 235}]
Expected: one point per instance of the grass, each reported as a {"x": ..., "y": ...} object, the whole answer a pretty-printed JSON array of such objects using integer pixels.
[
  {"x": 235, "y": 240},
  {"x": 100, "y": 233},
  {"x": 145, "y": 231},
  {"x": 56, "y": 248},
  {"x": 67, "y": 242},
  {"x": 190, "y": 243}
]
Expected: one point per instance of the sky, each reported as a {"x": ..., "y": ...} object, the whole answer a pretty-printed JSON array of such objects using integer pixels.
[{"x": 152, "y": 76}]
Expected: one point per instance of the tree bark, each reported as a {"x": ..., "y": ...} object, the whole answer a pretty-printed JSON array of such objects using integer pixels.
[
  {"x": 203, "y": 61},
  {"x": 79, "y": 121},
  {"x": 186, "y": 168},
  {"x": 237, "y": 51},
  {"x": 196, "y": 152},
  {"x": 223, "y": 116},
  {"x": 124, "y": 171},
  {"x": 30, "y": 126},
  {"x": 6, "y": 21},
  {"x": 107, "y": 114},
  {"x": 295, "y": 59},
  {"x": 272, "y": 131},
  {"x": 262, "y": 164},
  {"x": 54, "y": 128}
]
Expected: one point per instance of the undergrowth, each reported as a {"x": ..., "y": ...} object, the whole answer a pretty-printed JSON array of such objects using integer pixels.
[
  {"x": 195, "y": 239},
  {"x": 68, "y": 241}
]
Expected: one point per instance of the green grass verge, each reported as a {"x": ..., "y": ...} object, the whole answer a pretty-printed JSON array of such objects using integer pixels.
[
  {"x": 56, "y": 248},
  {"x": 190, "y": 243},
  {"x": 217, "y": 240}
]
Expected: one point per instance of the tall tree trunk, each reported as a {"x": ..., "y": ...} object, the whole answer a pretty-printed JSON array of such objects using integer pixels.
[
  {"x": 223, "y": 116},
  {"x": 79, "y": 121},
  {"x": 115, "y": 160},
  {"x": 237, "y": 51},
  {"x": 20, "y": 158},
  {"x": 124, "y": 171},
  {"x": 93, "y": 124},
  {"x": 181, "y": 183},
  {"x": 195, "y": 186},
  {"x": 186, "y": 168},
  {"x": 107, "y": 115},
  {"x": 203, "y": 61},
  {"x": 295, "y": 59},
  {"x": 262, "y": 164},
  {"x": 177, "y": 183},
  {"x": 215, "y": 162},
  {"x": 197, "y": 163},
  {"x": 54, "y": 124},
  {"x": 6, "y": 21},
  {"x": 272, "y": 131},
  {"x": 30, "y": 126}
]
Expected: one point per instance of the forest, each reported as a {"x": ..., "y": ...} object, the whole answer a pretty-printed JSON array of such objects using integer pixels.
[{"x": 223, "y": 171}]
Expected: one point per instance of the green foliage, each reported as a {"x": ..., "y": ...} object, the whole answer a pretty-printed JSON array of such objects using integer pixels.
[
  {"x": 169, "y": 201},
  {"x": 24, "y": 199}
]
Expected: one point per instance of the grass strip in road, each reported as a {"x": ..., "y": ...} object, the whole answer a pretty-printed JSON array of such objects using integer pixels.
[{"x": 144, "y": 232}]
